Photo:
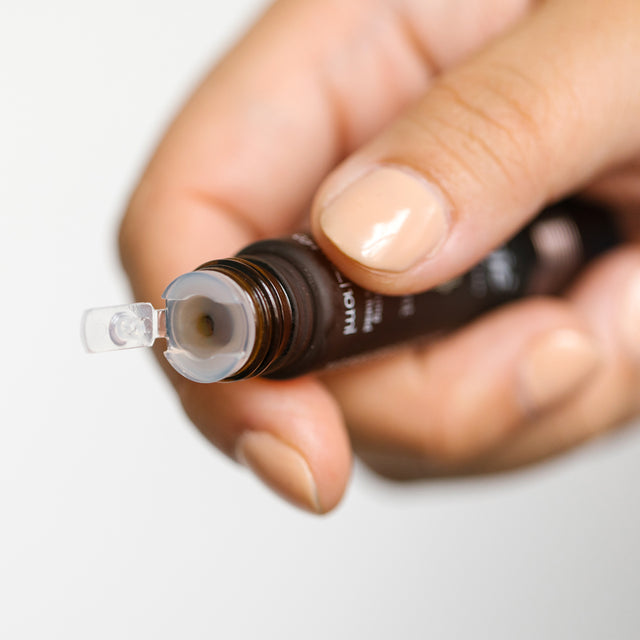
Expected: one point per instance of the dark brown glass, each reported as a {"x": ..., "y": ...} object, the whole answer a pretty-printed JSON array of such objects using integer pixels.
[{"x": 310, "y": 316}]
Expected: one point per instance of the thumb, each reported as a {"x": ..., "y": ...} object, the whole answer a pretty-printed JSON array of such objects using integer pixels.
[{"x": 530, "y": 119}]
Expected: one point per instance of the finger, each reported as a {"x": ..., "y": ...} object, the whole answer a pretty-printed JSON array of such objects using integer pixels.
[
  {"x": 537, "y": 114},
  {"x": 620, "y": 190},
  {"x": 290, "y": 434},
  {"x": 310, "y": 82},
  {"x": 244, "y": 156},
  {"x": 608, "y": 297},
  {"x": 448, "y": 402},
  {"x": 524, "y": 383}
]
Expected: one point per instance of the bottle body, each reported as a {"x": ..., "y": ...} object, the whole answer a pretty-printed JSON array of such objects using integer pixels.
[{"x": 305, "y": 315}]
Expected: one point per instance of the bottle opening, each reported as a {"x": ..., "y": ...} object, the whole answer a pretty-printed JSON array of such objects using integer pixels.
[
  {"x": 210, "y": 326},
  {"x": 205, "y": 326},
  {"x": 202, "y": 326}
]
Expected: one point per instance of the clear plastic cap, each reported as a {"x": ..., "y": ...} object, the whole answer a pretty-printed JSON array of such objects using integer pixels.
[
  {"x": 124, "y": 326},
  {"x": 210, "y": 326}
]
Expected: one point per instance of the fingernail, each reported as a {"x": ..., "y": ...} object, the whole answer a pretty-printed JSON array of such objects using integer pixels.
[
  {"x": 555, "y": 365},
  {"x": 630, "y": 316},
  {"x": 387, "y": 220},
  {"x": 280, "y": 467}
]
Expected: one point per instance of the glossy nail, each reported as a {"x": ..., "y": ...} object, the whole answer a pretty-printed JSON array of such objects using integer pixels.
[
  {"x": 388, "y": 220},
  {"x": 555, "y": 365},
  {"x": 280, "y": 467}
]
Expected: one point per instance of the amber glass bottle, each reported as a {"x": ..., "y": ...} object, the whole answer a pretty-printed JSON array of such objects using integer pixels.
[{"x": 280, "y": 309}]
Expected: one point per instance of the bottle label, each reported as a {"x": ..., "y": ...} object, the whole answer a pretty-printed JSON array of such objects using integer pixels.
[{"x": 364, "y": 320}]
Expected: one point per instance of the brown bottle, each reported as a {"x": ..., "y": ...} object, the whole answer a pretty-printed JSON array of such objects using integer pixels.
[{"x": 280, "y": 309}]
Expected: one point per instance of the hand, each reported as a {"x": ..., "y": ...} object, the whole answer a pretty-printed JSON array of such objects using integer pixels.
[{"x": 458, "y": 122}]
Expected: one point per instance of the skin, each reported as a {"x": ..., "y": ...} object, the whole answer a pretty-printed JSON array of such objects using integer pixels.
[{"x": 505, "y": 105}]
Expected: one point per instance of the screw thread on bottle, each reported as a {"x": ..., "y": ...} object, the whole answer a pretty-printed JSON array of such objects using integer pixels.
[{"x": 272, "y": 308}]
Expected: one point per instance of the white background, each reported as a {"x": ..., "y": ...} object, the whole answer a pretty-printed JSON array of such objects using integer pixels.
[{"x": 117, "y": 520}]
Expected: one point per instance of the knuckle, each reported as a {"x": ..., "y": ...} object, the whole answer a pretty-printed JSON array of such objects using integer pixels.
[
  {"x": 134, "y": 223},
  {"x": 125, "y": 240},
  {"x": 453, "y": 441},
  {"x": 493, "y": 123},
  {"x": 127, "y": 229},
  {"x": 447, "y": 432}
]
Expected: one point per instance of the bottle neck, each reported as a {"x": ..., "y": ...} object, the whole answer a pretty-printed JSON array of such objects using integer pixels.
[{"x": 271, "y": 307}]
